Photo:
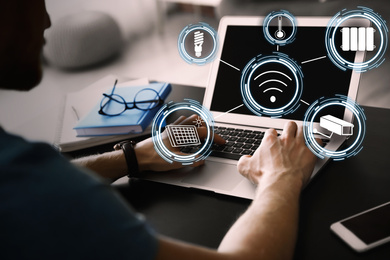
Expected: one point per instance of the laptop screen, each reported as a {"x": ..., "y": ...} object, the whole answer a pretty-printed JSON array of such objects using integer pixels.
[{"x": 321, "y": 78}]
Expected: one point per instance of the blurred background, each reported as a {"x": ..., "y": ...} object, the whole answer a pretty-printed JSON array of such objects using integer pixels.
[{"x": 149, "y": 30}]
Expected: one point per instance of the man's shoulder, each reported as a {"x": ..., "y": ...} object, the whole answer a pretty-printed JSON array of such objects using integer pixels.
[
  {"x": 53, "y": 206},
  {"x": 28, "y": 161},
  {"x": 16, "y": 151}
]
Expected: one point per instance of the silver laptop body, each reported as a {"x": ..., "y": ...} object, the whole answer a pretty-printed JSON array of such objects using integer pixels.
[{"x": 241, "y": 39}]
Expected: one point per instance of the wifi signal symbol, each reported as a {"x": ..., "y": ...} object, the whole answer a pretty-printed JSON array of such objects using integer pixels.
[{"x": 273, "y": 83}]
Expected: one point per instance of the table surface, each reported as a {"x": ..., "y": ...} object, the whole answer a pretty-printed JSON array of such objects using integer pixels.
[{"x": 340, "y": 190}]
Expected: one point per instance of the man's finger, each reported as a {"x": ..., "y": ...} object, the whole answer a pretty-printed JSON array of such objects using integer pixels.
[
  {"x": 270, "y": 132},
  {"x": 319, "y": 141},
  {"x": 290, "y": 129},
  {"x": 244, "y": 168},
  {"x": 189, "y": 120},
  {"x": 179, "y": 120},
  {"x": 242, "y": 165},
  {"x": 202, "y": 132}
]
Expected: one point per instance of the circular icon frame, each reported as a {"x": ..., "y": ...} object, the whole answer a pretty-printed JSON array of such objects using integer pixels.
[
  {"x": 159, "y": 124},
  {"x": 273, "y": 38},
  {"x": 248, "y": 73},
  {"x": 308, "y": 130},
  {"x": 184, "y": 54},
  {"x": 333, "y": 27}
]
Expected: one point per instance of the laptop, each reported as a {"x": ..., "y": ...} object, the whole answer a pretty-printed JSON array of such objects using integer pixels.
[{"x": 242, "y": 39}]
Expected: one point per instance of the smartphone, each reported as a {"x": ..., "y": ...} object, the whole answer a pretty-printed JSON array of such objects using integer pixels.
[{"x": 365, "y": 230}]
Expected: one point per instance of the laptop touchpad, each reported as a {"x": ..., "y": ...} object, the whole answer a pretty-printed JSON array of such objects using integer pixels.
[{"x": 214, "y": 175}]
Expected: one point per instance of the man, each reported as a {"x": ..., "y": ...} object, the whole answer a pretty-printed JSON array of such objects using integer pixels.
[{"x": 53, "y": 209}]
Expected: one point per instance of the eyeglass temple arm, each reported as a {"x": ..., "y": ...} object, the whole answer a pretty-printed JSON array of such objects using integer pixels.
[
  {"x": 111, "y": 98},
  {"x": 113, "y": 88},
  {"x": 159, "y": 100}
]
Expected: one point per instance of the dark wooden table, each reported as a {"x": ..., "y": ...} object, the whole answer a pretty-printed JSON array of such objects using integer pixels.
[{"x": 341, "y": 189}]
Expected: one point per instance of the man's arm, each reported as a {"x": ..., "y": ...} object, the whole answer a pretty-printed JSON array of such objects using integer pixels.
[
  {"x": 112, "y": 165},
  {"x": 267, "y": 230}
]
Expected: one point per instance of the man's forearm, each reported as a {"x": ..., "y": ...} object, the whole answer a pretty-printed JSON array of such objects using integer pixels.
[
  {"x": 110, "y": 165},
  {"x": 267, "y": 230}
]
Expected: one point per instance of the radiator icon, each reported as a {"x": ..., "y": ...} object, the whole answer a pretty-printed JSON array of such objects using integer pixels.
[
  {"x": 334, "y": 125},
  {"x": 358, "y": 39}
]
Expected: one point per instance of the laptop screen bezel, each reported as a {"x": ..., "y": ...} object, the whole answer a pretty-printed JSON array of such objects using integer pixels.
[{"x": 259, "y": 121}]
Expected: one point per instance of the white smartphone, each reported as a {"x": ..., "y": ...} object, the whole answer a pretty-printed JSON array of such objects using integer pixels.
[{"x": 365, "y": 230}]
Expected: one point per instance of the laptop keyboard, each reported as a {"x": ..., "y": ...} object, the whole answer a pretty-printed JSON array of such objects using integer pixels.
[{"x": 239, "y": 142}]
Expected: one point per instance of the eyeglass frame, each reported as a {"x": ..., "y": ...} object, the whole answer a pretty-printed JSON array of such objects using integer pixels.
[{"x": 126, "y": 107}]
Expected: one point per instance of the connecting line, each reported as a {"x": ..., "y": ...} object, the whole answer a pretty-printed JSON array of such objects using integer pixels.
[
  {"x": 304, "y": 102},
  {"x": 320, "y": 58},
  {"x": 237, "y": 107},
  {"x": 230, "y": 65}
]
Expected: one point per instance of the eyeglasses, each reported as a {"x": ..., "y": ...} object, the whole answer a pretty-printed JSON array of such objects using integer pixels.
[{"x": 114, "y": 105}]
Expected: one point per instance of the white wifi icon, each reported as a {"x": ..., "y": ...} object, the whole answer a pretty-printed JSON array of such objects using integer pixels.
[{"x": 273, "y": 83}]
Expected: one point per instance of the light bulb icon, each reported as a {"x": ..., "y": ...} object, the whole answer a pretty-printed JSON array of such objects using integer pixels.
[{"x": 198, "y": 42}]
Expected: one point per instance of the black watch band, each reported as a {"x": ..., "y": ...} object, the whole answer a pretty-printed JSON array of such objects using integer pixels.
[{"x": 131, "y": 159}]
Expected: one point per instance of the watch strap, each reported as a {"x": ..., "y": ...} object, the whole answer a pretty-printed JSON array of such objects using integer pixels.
[{"x": 130, "y": 157}]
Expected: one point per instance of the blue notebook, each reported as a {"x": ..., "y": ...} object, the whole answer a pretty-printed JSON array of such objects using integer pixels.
[{"x": 129, "y": 122}]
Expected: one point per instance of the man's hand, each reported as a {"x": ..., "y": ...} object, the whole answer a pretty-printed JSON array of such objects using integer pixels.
[
  {"x": 150, "y": 160},
  {"x": 267, "y": 230},
  {"x": 279, "y": 156},
  {"x": 112, "y": 165}
]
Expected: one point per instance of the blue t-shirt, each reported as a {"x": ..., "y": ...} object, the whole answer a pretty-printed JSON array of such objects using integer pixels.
[{"x": 51, "y": 209}]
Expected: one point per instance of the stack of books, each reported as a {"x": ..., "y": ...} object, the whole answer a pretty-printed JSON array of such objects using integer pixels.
[{"x": 82, "y": 126}]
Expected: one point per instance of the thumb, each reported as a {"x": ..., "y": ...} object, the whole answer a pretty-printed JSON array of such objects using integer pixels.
[
  {"x": 243, "y": 165},
  {"x": 244, "y": 168}
]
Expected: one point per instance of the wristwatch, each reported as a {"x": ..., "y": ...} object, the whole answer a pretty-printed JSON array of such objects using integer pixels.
[{"x": 131, "y": 159}]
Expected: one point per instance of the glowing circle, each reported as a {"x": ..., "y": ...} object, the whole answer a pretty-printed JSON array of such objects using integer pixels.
[
  {"x": 334, "y": 26},
  {"x": 280, "y": 35},
  {"x": 196, "y": 57},
  {"x": 158, "y": 125},
  {"x": 273, "y": 106},
  {"x": 309, "y": 130}
]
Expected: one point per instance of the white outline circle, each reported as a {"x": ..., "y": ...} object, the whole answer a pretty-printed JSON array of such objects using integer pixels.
[
  {"x": 308, "y": 122},
  {"x": 247, "y": 75},
  {"x": 181, "y": 43},
  {"x": 158, "y": 125},
  {"x": 333, "y": 27},
  {"x": 267, "y": 21}
]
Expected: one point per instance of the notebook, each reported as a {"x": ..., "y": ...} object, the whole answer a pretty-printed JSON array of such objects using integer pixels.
[
  {"x": 130, "y": 121},
  {"x": 242, "y": 39},
  {"x": 77, "y": 104}
]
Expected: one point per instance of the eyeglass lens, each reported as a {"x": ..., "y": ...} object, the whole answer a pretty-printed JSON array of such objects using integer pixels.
[
  {"x": 113, "y": 104},
  {"x": 146, "y": 99}
]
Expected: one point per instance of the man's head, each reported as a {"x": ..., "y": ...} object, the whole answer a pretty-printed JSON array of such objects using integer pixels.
[{"x": 22, "y": 24}]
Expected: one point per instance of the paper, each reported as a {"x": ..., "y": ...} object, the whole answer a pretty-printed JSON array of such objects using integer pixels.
[{"x": 78, "y": 104}]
